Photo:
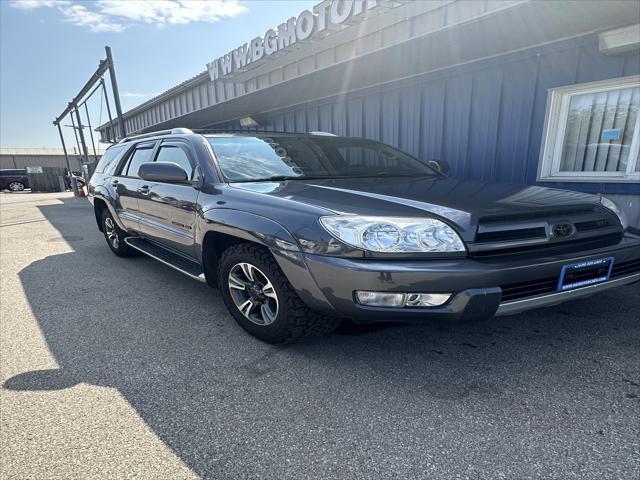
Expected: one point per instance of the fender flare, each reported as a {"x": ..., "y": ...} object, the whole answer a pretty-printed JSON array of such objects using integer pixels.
[
  {"x": 103, "y": 194},
  {"x": 276, "y": 238},
  {"x": 247, "y": 226}
]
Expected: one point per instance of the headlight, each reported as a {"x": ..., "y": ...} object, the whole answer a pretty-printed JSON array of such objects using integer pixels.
[
  {"x": 394, "y": 234},
  {"x": 611, "y": 205}
]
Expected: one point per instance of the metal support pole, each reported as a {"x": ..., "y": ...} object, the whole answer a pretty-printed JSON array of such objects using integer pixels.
[
  {"x": 106, "y": 100},
  {"x": 85, "y": 150},
  {"x": 64, "y": 148},
  {"x": 74, "y": 184},
  {"x": 116, "y": 94},
  {"x": 90, "y": 94},
  {"x": 75, "y": 132},
  {"x": 72, "y": 181},
  {"x": 73, "y": 104},
  {"x": 93, "y": 145}
]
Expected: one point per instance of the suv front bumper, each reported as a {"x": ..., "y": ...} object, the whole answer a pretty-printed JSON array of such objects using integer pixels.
[{"x": 475, "y": 283}]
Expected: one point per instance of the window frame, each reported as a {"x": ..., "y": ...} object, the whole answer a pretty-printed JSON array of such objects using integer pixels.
[{"x": 556, "y": 116}]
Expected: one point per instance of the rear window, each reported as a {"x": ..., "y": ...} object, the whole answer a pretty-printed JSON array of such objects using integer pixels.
[
  {"x": 12, "y": 173},
  {"x": 108, "y": 158}
]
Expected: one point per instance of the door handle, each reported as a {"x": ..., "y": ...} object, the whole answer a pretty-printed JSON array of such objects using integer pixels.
[{"x": 144, "y": 189}]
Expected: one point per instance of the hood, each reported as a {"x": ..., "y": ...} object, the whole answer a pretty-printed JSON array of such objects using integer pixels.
[{"x": 458, "y": 200}]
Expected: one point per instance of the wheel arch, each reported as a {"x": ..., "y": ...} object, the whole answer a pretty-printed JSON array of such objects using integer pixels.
[
  {"x": 101, "y": 200},
  {"x": 98, "y": 207},
  {"x": 222, "y": 228}
]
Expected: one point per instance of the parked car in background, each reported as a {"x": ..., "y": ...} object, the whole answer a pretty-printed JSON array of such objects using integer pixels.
[
  {"x": 13, "y": 179},
  {"x": 300, "y": 230}
]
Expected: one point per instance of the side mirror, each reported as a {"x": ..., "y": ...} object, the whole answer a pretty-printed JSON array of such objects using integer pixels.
[
  {"x": 167, "y": 172},
  {"x": 439, "y": 165}
]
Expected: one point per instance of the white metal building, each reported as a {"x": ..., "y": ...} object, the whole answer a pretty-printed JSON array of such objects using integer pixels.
[{"x": 41, "y": 157}]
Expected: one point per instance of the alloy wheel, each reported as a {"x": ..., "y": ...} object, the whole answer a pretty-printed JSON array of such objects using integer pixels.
[
  {"x": 112, "y": 232},
  {"x": 16, "y": 187},
  {"x": 253, "y": 294}
]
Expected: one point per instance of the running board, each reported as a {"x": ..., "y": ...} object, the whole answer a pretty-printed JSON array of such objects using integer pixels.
[{"x": 177, "y": 262}]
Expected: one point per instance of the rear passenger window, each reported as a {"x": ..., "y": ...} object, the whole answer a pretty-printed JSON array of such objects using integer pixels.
[
  {"x": 108, "y": 158},
  {"x": 140, "y": 155},
  {"x": 177, "y": 155}
]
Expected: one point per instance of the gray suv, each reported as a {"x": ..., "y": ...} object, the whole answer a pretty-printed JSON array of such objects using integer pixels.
[{"x": 301, "y": 230}]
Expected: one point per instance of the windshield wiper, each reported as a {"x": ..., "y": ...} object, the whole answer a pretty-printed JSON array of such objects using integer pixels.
[
  {"x": 276, "y": 178},
  {"x": 280, "y": 178},
  {"x": 389, "y": 174}
]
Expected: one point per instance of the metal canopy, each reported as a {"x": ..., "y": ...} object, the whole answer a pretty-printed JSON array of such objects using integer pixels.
[{"x": 73, "y": 107}]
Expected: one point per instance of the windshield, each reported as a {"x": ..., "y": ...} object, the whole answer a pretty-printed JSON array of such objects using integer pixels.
[{"x": 250, "y": 159}]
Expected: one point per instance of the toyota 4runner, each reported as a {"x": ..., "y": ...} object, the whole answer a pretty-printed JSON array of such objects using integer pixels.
[{"x": 300, "y": 230}]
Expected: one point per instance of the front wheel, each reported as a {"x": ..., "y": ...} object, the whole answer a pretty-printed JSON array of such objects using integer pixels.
[
  {"x": 261, "y": 299},
  {"x": 16, "y": 186}
]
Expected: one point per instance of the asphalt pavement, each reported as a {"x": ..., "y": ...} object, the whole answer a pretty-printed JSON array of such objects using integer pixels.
[{"x": 124, "y": 368}]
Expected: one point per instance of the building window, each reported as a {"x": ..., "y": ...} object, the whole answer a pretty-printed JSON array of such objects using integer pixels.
[{"x": 592, "y": 133}]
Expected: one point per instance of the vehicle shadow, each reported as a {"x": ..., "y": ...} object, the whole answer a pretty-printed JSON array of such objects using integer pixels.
[{"x": 232, "y": 407}]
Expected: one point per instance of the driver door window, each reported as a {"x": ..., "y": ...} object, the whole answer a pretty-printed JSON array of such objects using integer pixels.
[{"x": 174, "y": 154}]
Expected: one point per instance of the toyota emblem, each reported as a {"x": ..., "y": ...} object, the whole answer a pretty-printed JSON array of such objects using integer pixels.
[{"x": 562, "y": 230}]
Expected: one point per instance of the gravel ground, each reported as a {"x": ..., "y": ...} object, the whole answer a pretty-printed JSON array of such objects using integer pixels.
[{"x": 117, "y": 368}]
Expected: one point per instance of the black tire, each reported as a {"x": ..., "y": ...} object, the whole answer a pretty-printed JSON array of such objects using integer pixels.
[
  {"x": 16, "y": 186},
  {"x": 115, "y": 236},
  {"x": 293, "y": 321}
]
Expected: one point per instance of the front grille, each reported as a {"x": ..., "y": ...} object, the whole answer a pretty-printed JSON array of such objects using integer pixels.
[
  {"x": 533, "y": 288},
  {"x": 523, "y": 231},
  {"x": 558, "y": 248},
  {"x": 541, "y": 215},
  {"x": 592, "y": 225},
  {"x": 625, "y": 268},
  {"x": 516, "y": 291},
  {"x": 521, "y": 234}
]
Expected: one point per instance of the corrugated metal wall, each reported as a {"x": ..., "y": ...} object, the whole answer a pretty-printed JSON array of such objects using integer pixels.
[
  {"x": 21, "y": 161},
  {"x": 388, "y": 25},
  {"x": 485, "y": 118}
]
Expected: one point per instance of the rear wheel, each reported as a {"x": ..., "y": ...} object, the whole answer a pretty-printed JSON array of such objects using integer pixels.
[
  {"x": 16, "y": 186},
  {"x": 115, "y": 236},
  {"x": 261, "y": 299}
]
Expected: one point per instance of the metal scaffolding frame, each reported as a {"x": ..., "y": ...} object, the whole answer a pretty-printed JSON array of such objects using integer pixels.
[{"x": 95, "y": 83}]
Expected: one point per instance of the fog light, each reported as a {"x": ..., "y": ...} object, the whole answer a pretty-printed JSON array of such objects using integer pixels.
[
  {"x": 427, "y": 299},
  {"x": 380, "y": 299},
  {"x": 411, "y": 300}
]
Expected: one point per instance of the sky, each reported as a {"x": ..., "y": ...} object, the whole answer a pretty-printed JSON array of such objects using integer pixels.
[{"x": 50, "y": 48}]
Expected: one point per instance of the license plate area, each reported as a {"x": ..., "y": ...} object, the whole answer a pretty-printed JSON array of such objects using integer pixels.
[{"x": 582, "y": 274}]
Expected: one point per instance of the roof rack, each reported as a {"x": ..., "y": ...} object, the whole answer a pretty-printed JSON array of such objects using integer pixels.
[
  {"x": 173, "y": 131},
  {"x": 244, "y": 131},
  {"x": 257, "y": 132},
  {"x": 323, "y": 134}
]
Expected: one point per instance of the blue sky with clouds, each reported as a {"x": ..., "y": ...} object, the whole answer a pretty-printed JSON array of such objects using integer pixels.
[{"x": 49, "y": 49}]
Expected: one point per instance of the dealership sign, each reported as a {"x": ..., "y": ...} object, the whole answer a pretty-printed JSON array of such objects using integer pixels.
[{"x": 324, "y": 15}]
